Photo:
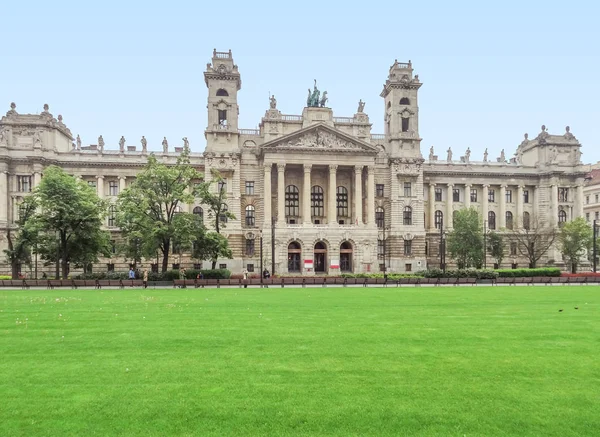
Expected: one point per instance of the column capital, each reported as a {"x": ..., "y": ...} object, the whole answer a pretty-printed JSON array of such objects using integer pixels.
[
  {"x": 371, "y": 168},
  {"x": 333, "y": 167},
  {"x": 451, "y": 185},
  {"x": 100, "y": 177},
  {"x": 358, "y": 169},
  {"x": 468, "y": 185},
  {"x": 280, "y": 167},
  {"x": 432, "y": 185},
  {"x": 486, "y": 185},
  {"x": 122, "y": 178},
  {"x": 504, "y": 186},
  {"x": 307, "y": 168}
]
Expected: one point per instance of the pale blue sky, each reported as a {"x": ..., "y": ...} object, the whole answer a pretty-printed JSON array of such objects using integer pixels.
[{"x": 490, "y": 72}]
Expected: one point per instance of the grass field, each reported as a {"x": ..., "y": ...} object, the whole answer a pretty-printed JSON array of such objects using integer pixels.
[{"x": 338, "y": 362}]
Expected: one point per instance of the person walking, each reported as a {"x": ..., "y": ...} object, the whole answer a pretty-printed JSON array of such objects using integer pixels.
[
  {"x": 245, "y": 273},
  {"x": 145, "y": 278}
]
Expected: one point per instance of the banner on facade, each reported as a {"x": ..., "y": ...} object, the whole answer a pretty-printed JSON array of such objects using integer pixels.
[
  {"x": 335, "y": 264},
  {"x": 308, "y": 264}
]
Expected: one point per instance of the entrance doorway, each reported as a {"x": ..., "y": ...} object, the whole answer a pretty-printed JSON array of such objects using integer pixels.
[
  {"x": 294, "y": 255},
  {"x": 320, "y": 259},
  {"x": 346, "y": 257}
]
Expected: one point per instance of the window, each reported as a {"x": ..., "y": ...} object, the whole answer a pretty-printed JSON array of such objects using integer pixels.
[
  {"x": 380, "y": 249},
  {"x": 596, "y": 198},
  {"x": 112, "y": 215},
  {"x": 113, "y": 246},
  {"x": 587, "y": 199},
  {"x": 407, "y": 189},
  {"x": 508, "y": 196},
  {"x": 404, "y": 101},
  {"x": 473, "y": 195},
  {"x": 24, "y": 184},
  {"x": 408, "y": 267},
  {"x": 597, "y": 215},
  {"x": 222, "y": 266},
  {"x": 198, "y": 211},
  {"x": 563, "y": 194},
  {"x": 175, "y": 266},
  {"x": 250, "y": 215},
  {"x": 110, "y": 267},
  {"x": 526, "y": 220},
  {"x": 513, "y": 248},
  {"x": 250, "y": 268},
  {"x": 379, "y": 190},
  {"x": 491, "y": 196},
  {"x": 91, "y": 184},
  {"x": 525, "y": 196},
  {"x": 491, "y": 220},
  {"x": 509, "y": 220},
  {"x": 292, "y": 201},
  {"x": 562, "y": 217},
  {"x": 455, "y": 195},
  {"x": 250, "y": 187},
  {"x": 407, "y": 247},
  {"x": 379, "y": 217},
  {"x": 317, "y": 205},
  {"x": 113, "y": 188},
  {"x": 222, "y": 185},
  {"x": 405, "y": 122},
  {"x": 587, "y": 216},
  {"x": 342, "y": 202},
  {"x": 154, "y": 268},
  {"x": 438, "y": 219},
  {"x": 223, "y": 215},
  {"x": 407, "y": 215},
  {"x": 222, "y": 93},
  {"x": 22, "y": 210},
  {"x": 438, "y": 194},
  {"x": 222, "y": 115},
  {"x": 249, "y": 247}
]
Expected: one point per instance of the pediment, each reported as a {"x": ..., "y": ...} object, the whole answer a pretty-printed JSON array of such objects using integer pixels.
[{"x": 319, "y": 138}]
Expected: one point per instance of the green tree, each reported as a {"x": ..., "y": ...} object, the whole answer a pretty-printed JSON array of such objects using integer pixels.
[
  {"x": 533, "y": 238},
  {"x": 495, "y": 244},
  {"x": 575, "y": 238},
  {"x": 67, "y": 220},
  {"x": 218, "y": 212},
  {"x": 21, "y": 240},
  {"x": 211, "y": 246},
  {"x": 465, "y": 242}
]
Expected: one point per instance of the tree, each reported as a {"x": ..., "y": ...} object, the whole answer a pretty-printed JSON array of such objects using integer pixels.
[
  {"x": 212, "y": 246},
  {"x": 21, "y": 240},
  {"x": 465, "y": 242},
  {"x": 217, "y": 208},
  {"x": 575, "y": 238},
  {"x": 533, "y": 239},
  {"x": 495, "y": 245},
  {"x": 66, "y": 220}
]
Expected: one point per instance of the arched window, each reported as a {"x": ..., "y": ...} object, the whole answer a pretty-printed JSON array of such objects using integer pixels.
[
  {"x": 562, "y": 217},
  {"x": 379, "y": 217},
  {"x": 250, "y": 215},
  {"x": 112, "y": 216},
  {"x": 526, "y": 220},
  {"x": 200, "y": 213},
  {"x": 404, "y": 101},
  {"x": 222, "y": 93},
  {"x": 316, "y": 202},
  {"x": 292, "y": 201},
  {"x": 342, "y": 202},
  {"x": 438, "y": 219},
  {"x": 491, "y": 220},
  {"x": 405, "y": 124},
  {"x": 509, "y": 220},
  {"x": 294, "y": 255},
  {"x": 407, "y": 215},
  {"x": 223, "y": 215}
]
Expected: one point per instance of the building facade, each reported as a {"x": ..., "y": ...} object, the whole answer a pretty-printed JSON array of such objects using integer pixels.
[{"x": 321, "y": 194}]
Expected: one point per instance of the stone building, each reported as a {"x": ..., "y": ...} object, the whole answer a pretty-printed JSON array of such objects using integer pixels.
[{"x": 335, "y": 196}]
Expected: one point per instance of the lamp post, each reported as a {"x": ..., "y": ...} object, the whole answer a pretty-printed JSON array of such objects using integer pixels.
[
  {"x": 261, "y": 259},
  {"x": 58, "y": 255},
  {"x": 442, "y": 246},
  {"x": 272, "y": 246},
  {"x": 595, "y": 251},
  {"x": 384, "y": 251},
  {"x": 485, "y": 244}
]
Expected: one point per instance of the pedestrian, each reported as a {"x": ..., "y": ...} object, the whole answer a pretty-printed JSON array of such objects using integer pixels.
[
  {"x": 131, "y": 273},
  {"x": 145, "y": 280},
  {"x": 245, "y": 273}
]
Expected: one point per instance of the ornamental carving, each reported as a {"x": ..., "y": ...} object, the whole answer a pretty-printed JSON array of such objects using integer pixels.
[{"x": 322, "y": 140}]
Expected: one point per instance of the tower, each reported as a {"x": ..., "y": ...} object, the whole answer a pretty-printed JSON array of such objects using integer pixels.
[
  {"x": 402, "y": 111},
  {"x": 223, "y": 81}
]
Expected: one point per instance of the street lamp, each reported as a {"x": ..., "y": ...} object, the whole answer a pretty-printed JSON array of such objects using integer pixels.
[
  {"x": 484, "y": 244},
  {"x": 442, "y": 246},
  {"x": 272, "y": 246},
  {"x": 595, "y": 251},
  {"x": 261, "y": 258}
]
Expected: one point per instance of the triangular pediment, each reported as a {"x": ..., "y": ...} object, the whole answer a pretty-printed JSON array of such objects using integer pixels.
[{"x": 319, "y": 138}]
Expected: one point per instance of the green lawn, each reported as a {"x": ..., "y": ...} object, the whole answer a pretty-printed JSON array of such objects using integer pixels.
[{"x": 322, "y": 361}]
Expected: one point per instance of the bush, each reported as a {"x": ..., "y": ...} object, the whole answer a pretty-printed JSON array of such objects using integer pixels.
[
  {"x": 168, "y": 276},
  {"x": 461, "y": 273},
  {"x": 391, "y": 276},
  {"x": 5, "y": 277},
  {"x": 520, "y": 273}
]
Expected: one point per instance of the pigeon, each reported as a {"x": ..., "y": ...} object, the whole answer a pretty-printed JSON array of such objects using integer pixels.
[
  {"x": 560, "y": 311},
  {"x": 576, "y": 308}
]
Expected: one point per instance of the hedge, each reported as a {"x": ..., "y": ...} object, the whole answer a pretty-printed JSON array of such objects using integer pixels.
[
  {"x": 461, "y": 273},
  {"x": 169, "y": 275},
  {"x": 392, "y": 276},
  {"x": 520, "y": 273}
]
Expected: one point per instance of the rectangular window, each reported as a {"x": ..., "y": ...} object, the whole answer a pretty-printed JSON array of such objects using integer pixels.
[
  {"x": 342, "y": 202},
  {"x": 222, "y": 266},
  {"x": 222, "y": 114},
  {"x": 407, "y": 247},
  {"x": 426, "y": 248},
  {"x": 456, "y": 195},
  {"x": 491, "y": 196},
  {"x": 382, "y": 267},
  {"x": 250, "y": 187},
  {"x": 380, "y": 249},
  {"x": 110, "y": 267},
  {"x": 587, "y": 200},
  {"x": 508, "y": 196},
  {"x": 24, "y": 184},
  {"x": 249, "y": 247},
  {"x": 526, "y": 196},
  {"x": 438, "y": 194},
  {"x": 597, "y": 215},
  {"x": 513, "y": 248},
  {"x": 379, "y": 217},
  {"x": 587, "y": 216},
  {"x": 404, "y": 124},
  {"x": 379, "y": 190},
  {"x": 197, "y": 266},
  {"x": 407, "y": 189},
  {"x": 250, "y": 268},
  {"x": 473, "y": 194},
  {"x": 175, "y": 266},
  {"x": 596, "y": 198},
  {"x": 113, "y": 188},
  {"x": 113, "y": 246},
  {"x": 563, "y": 194},
  {"x": 408, "y": 267},
  {"x": 92, "y": 184},
  {"x": 154, "y": 268}
]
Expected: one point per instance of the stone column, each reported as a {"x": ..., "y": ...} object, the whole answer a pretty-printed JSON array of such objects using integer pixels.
[
  {"x": 467, "y": 196},
  {"x": 122, "y": 184},
  {"x": 3, "y": 196},
  {"x": 267, "y": 196},
  {"x": 519, "y": 219},
  {"x": 332, "y": 203},
  {"x": 579, "y": 202},
  {"x": 306, "y": 195},
  {"x": 449, "y": 207},
  {"x": 484, "y": 202},
  {"x": 100, "y": 186},
  {"x": 358, "y": 194},
  {"x": 15, "y": 208},
  {"x": 280, "y": 194},
  {"x": 431, "y": 207},
  {"x": 37, "y": 177},
  {"x": 553, "y": 205},
  {"x": 502, "y": 218},
  {"x": 535, "y": 192},
  {"x": 371, "y": 195}
]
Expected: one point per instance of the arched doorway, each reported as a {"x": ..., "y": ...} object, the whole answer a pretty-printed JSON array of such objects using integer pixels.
[
  {"x": 346, "y": 257},
  {"x": 320, "y": 258},
  {"x": 294, "y": 255}
]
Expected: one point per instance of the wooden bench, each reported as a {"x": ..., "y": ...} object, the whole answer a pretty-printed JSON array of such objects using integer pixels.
[{"x": 466, "y": 281}]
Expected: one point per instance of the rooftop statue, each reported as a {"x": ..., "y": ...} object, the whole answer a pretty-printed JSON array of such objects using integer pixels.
[
  {"x": 273, "y": 102},
  {"x": 361, "y": 105},
  {"x": 313, "y": 97},
  {"x": 323, "y": 100}
]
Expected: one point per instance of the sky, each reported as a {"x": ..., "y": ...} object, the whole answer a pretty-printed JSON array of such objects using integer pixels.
[{"x": 491, "y": 71}]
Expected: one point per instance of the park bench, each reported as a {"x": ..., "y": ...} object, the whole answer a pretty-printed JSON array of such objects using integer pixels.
[
  {"x": 509, "y": 281},
  {"x": 466, "y": 281}
]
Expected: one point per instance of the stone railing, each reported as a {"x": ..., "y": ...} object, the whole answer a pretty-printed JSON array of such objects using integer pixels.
[
  {"x": 291, "y": 117},
  {"x": 249, "y": 131},
  {"x": 222, "y": 55},
  {"x": 403, "y": 65},
  {"x": 343, "y": 120},
  {"x": 377, "y": 136}
]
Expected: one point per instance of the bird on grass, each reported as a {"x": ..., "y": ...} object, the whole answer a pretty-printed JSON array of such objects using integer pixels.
[
  {"x": 560, "y": 310},
  {"x": 576, "y": 308}
]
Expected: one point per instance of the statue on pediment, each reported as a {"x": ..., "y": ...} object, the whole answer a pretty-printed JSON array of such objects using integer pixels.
[
  {"x": 78, "y": 142},
  {"x": 186, "y": 143},
  {"x": 361, "y": 106},
  {"x": 313, "y": 97},
  {"x": 100, "y": 144},
  {"x": 468, "y": 155},
  {"x": 502, "y": 156},
  {"x": 568, "y": 134},
  {"x": 4, "y": 136},
  {"x": 431, "y": 153},
  {"x": 273, "y": 102},
  {"x": 449, "y": 158},
  {"x": 323, "y": 99},
  {"x": 122, "y": 144},
  {"x": 12, "y": 110},
  {"x": 485, "y": 155},
  {"x": 165, "y": 145},
  {"x": 144, "y": 144}
]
